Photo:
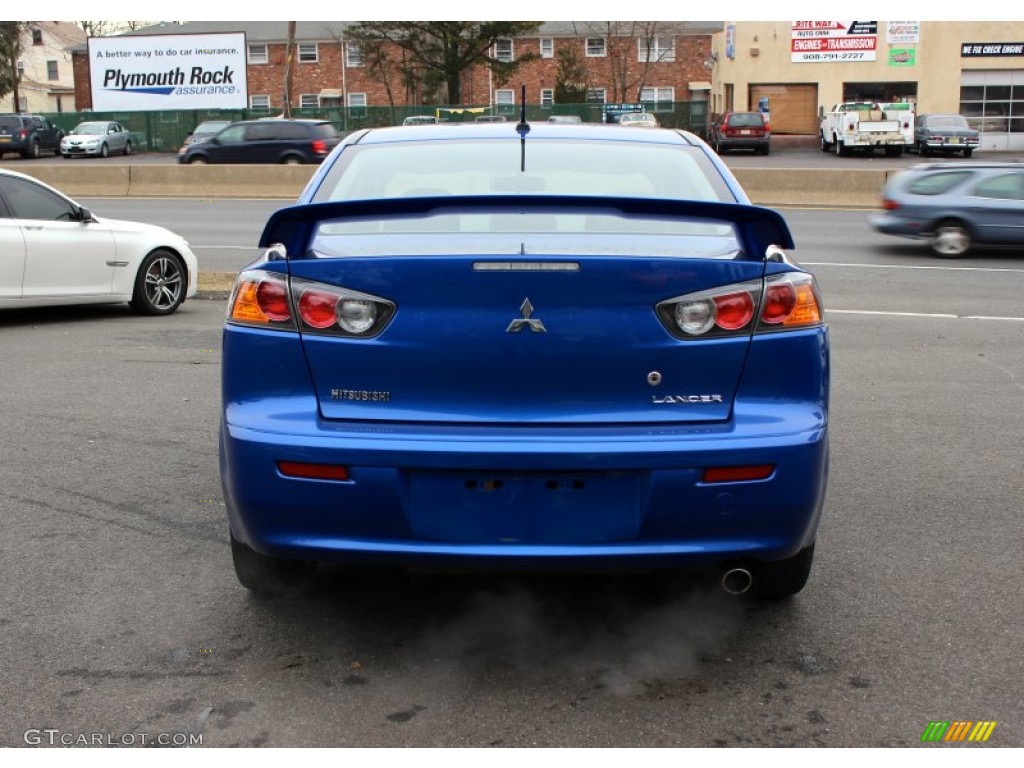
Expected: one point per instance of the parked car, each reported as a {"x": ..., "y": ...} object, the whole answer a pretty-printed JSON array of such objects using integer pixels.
[
  {"x": 57, "y": 252},
  {"x": 741, "y": 130},
  {"x": 565, "y": 119},
  {"x": 490, "y": 118},
  {"x": 955, "y": 206},
  {"x": 946, "y": 134},
  {"x": 420, "y": 120},
  {"x": 271, "y": 140},
  {"x": 28, "y": 135},
  {"x": 568, "y": 347},
  {"x": 638, "y": 120},
  {"x": 99, "y": 138},
  {"x": 205, "y": 130}
]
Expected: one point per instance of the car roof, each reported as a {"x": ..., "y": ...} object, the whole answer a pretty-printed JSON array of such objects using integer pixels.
[
  {"x": 1008, "y": 165},
  {"x": 538, "y": 130}
]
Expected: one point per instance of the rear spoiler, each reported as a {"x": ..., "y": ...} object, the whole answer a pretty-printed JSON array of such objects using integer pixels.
[{"x": 758, "y": 228}]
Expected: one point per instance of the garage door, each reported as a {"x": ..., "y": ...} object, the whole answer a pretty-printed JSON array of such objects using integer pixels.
[{"x": 793, "y": 108}]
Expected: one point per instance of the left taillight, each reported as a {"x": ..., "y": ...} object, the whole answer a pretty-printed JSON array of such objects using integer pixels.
[
  {"x": 782, "y": 302},
  {"x": 267, "y": 300},
  {"x": 320, "y": 147}
]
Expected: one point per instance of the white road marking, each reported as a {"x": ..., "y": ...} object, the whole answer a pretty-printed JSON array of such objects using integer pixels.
[
  {"x": 931, "y": 315},
  {"x": 905, "y": 266}
]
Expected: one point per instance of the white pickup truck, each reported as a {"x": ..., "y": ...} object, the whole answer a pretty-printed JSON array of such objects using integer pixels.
[{"x": 866, "y": 126}]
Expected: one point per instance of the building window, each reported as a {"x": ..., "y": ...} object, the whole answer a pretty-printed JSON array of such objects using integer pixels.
[
  {"x": 503, "y": 50},
  {"x": 23, "y": 103},
  {"x": 21, "y": 69},
  {"x": 547, "y": 97},
  {"x": 258, "y": 54},
  {"x": 596, "y": 95},
  {"x": 596, "y": 47},
  {"x": 547, "y": 48},
  {"x": 505, "y": 96},
  {"x": 353, "y": 55},
  {"x": 51, "y": 71},
  {"x": 661, "y": 98},
  {"x": 308, "y": 53},
  {"x": 654, "y": 49},
  {"x": 309, "y": 101},
  {"x": 37, "y": 37},
  {"x": 259, "y": 102},
  {"x": 357, "y": 100}
]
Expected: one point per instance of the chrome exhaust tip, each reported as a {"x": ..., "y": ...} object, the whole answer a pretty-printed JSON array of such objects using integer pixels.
[{"x": 736, "y": 581}]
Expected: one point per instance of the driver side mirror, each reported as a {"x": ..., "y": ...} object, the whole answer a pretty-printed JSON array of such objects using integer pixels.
[{"x": 85, "y": 215}]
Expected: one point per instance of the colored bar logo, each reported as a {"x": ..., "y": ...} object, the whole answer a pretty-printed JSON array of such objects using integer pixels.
[{"x": 958, "y": 730}]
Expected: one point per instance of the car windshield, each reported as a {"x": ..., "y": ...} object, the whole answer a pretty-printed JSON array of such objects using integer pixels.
[
  {"x": 208, "y": 129},
  {"x": 90, "y": 129},
  {"x": 492, "y": 167}
]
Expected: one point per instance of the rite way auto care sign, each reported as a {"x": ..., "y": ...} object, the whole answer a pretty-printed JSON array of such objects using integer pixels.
[
  {"x": 828, "y": 41},
  {"x": 163, "y": 72}
]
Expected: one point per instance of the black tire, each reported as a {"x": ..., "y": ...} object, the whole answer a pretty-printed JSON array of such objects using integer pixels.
[
  {"x": 825, "y": 146},
  {"x": 951, "y": 239},
  {"x": 104, "y": 152},
  {"x": 34, "y": 151},
  {"x": 765, "y": 149},
  {"x": 291, "y": 160},
  {"x": 66, "y": 157},
  {"x": 160, "y": 284},
  {"x": 782, "y": 578},
  {"x": 893, "y": 151},
  {"x": 128, "y": 148},
  {"x": 270, "y": 575},
  {"x": 197, "y": 160},
  {"x": 968, "y": 152},
  {"x": 841, "y": 150},
  {"x": 923, "y": 150}
]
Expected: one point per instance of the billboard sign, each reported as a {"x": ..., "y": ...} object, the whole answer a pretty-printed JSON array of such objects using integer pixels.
[
  {"x": 833, "y": 41},
  {"x": 165, "y": 72}
]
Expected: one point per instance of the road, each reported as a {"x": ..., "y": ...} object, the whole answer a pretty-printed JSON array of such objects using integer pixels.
[{"x": 121, "y": 615}]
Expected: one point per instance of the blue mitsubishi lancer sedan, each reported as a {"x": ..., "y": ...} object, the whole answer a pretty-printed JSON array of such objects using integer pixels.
[{"x": 508, "y": 346}]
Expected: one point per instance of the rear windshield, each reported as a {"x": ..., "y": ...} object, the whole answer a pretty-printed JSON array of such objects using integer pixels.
[
  {"x": 10, "y": 123},
  {"x": 748, "y": 120},
  {"x": 554, "y": 232},
  {"x": 325, "y": 131},
  {"x": 950, "y": 121},
  {"x": 493, "y": 167}
]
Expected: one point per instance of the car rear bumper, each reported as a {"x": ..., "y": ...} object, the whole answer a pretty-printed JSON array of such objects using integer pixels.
[
  {"x": 898, "y": 225},
  {"x": 744, "y": 142},
  {"x": 592, "y": 497}
]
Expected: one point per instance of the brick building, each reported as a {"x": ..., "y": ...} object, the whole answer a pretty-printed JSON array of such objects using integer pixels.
[{"x": 654, "y": 62}]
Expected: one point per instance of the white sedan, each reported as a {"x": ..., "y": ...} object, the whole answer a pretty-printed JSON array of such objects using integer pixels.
[{"x": 54, "y": 251}]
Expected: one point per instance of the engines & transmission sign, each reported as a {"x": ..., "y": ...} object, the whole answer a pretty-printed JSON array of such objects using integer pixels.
[
  {"x": 821, "y": 41},
  {"x": 163, "y": 72}
]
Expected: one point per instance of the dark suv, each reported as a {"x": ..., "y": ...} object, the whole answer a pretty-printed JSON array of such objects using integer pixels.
[
  {"x": 266, "y": 141},
  {"x": 741, "y": 130},
  {"x": 28, "y": 135}
]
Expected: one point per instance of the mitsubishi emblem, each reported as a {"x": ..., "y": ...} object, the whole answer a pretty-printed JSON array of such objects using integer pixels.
[{"x": 526, "y": 321}]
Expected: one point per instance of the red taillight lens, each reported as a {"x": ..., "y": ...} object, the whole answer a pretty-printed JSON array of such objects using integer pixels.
[
  {"x": 318, "y": 309},
  {"x": 320, "y": 147},
  {"x": 890, "y": 205},
  {"x": 734, "y": 310},
  {"x": 737, "y": 474},
  {"x": 312, "y": 471},
  {"x": 272, "y": 299},
  {"x": 778, "y": 303},
  {"x": 850, "y": 127}
]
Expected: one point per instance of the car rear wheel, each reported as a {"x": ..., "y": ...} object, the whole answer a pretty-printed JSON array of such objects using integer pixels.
[
  {"x": 270, "y": 575},
  {"x": 197, "y": 160},
  {"x": 33, "y": 151},
  {"x": 968, "y": 152},
  {"x": 783, "y": 578},
  {"x": 128, "y": 148},
  {"x": 292, "y": 160},
  {"x": 825, "y": 146},
  {"x": 841, "y": 150},
  {"x": 951, "y": 239},
  {"x": 160, "y": 284}
]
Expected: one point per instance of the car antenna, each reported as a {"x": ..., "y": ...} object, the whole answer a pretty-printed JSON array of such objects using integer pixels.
[{"x": 523, "y": 128}]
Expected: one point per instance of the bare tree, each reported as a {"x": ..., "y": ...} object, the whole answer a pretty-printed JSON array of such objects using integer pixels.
[
  {"x": 632, "y": 48},
  {"x": 441, "y": 52},
  {"x": 289, "y": 59},
  {"x": 10, "y": 51}
]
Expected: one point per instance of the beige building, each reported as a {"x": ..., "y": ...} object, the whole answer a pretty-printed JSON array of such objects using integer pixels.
[
  {"x": 47, "y": 81},
  {"x": 973, "y": 68}
]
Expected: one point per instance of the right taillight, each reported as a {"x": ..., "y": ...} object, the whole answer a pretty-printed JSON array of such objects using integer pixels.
[
  {"x": 782, "y": 302},
  {"x": 889, "y": 205}
]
